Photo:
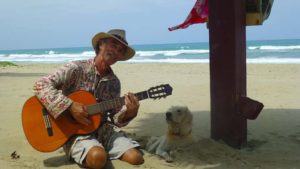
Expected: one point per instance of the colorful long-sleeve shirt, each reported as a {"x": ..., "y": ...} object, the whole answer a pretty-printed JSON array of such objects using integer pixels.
[{"x": 53, "y": 89}]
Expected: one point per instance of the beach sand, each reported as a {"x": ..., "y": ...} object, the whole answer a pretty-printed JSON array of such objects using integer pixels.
[{"x": 273, "y": 138}]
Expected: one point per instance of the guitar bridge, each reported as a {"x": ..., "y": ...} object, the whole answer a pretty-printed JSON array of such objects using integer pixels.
[{"x": 47, "y": 122}]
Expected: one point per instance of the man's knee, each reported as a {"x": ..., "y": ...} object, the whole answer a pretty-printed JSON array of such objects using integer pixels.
[
  {"x": 133, "y": 156},
  {"x": 96, "y": 158}
]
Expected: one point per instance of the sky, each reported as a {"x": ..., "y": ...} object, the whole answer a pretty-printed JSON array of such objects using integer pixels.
[{"x": 33, "y": 24}]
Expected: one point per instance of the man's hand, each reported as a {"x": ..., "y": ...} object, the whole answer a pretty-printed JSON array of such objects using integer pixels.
[
  {"x": 79, "y": 113},
  {"x": 132, "y": 105}
]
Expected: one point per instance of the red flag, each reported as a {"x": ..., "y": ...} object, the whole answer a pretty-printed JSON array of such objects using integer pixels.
[{"x": 198, "y": 14}]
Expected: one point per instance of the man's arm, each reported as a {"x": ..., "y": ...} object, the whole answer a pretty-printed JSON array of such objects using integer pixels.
[{"x": 46, "y": 89}]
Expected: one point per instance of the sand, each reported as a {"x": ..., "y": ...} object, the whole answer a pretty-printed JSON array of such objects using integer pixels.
[{"x": 273, "y": 138}]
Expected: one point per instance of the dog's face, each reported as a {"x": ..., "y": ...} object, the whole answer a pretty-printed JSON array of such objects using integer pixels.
[{"x": 179, "y": 120}]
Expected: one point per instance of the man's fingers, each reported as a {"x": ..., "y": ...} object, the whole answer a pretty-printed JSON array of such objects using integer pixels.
[
  {"x": 87, "y": 121},
  {"x": 79, "y": 113},
  {"x": 127, "y": 100},
  {"x": 83, "y": 118},
  {"x": 84, "y": 121},
  {"x": 85, "y": 114},
  {"x": 132, "y": 97},
  {"x": 84, "y": 108}
]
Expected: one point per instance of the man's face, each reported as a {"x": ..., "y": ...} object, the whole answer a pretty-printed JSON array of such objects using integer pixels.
[{"x": 112, "y": 51}]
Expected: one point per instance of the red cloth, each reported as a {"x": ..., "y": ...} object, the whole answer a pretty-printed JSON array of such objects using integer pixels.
[{"x": 198, "y": 14}]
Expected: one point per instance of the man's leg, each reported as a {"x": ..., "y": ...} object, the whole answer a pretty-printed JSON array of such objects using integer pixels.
[
  {"x": 133, "y": 156},
  {"x": 95, "y": 158},
  {"x": 88, "y": 153},
  {"x": 124, "y": 148}
]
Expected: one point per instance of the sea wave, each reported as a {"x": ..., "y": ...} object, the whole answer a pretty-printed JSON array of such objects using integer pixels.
[
  {"x": 274, "y": 60},
  {"x": 158, "y": 56},
  {"x": 269, "y": 47},
  {"x": 250, "y": 60},
  {"x": 51, "y": 52},
  {"x": 47, "y": 58},
  {"x": 148, "y": 60},
  {"x": 169, "y": 60},
  {"x": 171, "y": 52}
]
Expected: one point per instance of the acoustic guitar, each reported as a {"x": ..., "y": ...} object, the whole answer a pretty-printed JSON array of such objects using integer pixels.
[{"x": 46, "y": 134}]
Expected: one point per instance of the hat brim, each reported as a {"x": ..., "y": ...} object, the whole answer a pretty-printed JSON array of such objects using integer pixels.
[{"x": 130, "y": 52}]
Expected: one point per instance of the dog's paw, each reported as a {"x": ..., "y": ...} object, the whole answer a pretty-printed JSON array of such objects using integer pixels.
[
  {"x": 169, "y": 160},
  {"x": 167, "y": 157},
  {"x": 152, "y": 144}
]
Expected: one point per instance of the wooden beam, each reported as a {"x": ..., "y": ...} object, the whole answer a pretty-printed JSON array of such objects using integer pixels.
[{"x": 227, "y": 40}]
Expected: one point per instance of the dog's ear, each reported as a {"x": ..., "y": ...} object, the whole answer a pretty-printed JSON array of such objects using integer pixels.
[
  {"x": 170, "y": 110},
  {"x": 186, "y": 125}
]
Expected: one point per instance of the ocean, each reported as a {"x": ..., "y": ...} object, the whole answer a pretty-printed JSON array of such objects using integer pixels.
[{"x": 262, "y": 51}]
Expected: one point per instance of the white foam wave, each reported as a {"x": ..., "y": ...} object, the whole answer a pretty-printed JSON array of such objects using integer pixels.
[
  {"x": 184, "y": 47},
  {"x": 274, "y": 60},
  {"x": 169, "y": 61},
  {"x": 257, "y": 61},
  {"x": 274, "y": 47},
  {"x": 171, "y": 52},
  {"x": 44, "y": 57},
  {"x": 65, "y": 57},
  {"x": 51, "y": 52},
  {"x": 88, "y": 53}
]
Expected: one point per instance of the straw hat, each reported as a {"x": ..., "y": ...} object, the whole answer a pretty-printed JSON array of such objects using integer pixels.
[{"x": 118, "y": 34}]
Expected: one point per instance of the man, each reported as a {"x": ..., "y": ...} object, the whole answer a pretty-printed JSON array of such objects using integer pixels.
[{"x": 96, "y": 76}]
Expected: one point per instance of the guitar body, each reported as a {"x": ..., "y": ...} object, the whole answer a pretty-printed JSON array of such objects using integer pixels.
[{"x": 47, "y": 134}]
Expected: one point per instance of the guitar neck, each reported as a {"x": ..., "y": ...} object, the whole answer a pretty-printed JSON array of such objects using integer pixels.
[{"x": 114, "y": 103}]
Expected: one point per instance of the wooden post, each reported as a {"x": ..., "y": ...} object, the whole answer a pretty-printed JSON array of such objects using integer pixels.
[{"x": 227, "y": 40}]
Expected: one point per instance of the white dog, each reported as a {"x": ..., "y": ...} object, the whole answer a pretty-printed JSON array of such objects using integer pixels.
[{"x": 179, "y": 120}]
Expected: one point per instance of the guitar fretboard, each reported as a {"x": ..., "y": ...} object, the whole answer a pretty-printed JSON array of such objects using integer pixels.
[{"x": 114, "y": 103}]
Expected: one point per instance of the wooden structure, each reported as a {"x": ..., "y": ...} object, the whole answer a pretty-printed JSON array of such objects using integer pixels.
[{"x": 227, "y": 40}]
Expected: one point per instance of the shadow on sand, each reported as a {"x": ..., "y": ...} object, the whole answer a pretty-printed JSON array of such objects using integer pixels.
[
  {"x": 263, "y": 133},
  {"x": 57, "y": 161},
  {"x": 207, "y": 153}
]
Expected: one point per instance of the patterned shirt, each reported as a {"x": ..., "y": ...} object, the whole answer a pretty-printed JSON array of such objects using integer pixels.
[{"x": 53, "y": 89}]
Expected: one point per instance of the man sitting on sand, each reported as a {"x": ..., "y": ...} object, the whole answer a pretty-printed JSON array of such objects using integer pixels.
[{"x": 97, "y": 77}]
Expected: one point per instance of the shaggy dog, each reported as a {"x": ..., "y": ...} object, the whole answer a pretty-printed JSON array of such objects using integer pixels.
[{"x": 179, "y": 121}]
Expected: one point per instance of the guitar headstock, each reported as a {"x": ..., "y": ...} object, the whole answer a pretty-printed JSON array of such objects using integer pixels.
[{"x": 160, "y": 91}]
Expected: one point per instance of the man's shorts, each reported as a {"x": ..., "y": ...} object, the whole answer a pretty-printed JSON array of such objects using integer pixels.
[{"x": 118, "y": 144}]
